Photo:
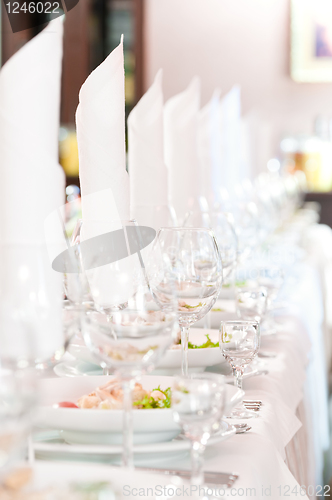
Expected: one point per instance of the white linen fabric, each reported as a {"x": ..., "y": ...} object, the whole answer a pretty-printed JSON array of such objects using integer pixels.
[
  {"x": 100, "y": 121},
  {"x": 32, "y": 181},
  {"x": 209, "y": 149},
  {"x": 230, "y": 126},
  {"x": 147, "y": 170},
  {"x": 181, "y": 150},
  {"x": 32, "y": 186}
]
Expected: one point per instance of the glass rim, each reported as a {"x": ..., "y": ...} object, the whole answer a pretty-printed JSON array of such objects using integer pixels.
[
  {"x": 185, "y": 228},
  {"x": 202, "y": 376},
  {"x": 105, "y": 220},
  {"x": 239, "y": 321}
]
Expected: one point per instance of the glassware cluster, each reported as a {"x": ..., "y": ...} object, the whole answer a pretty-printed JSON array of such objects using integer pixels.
[{"x": 131, "y": 309}]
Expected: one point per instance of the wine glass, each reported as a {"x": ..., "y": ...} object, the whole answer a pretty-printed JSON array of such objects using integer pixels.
[
  {"x": 239, "y": 342},
  {"x": 124, "y": 323},
  {"x": 197, "y": 271},
  {"x": 155, "y": 216},
  {"x": 271, "y": 277},
  {"x": 36, "y": 321},
  {"x": 222, "y": 225},
  {"x": 18, "y": 400},
  {"x": 198, "y": 403},
  {"x": 251, "y": 303}
]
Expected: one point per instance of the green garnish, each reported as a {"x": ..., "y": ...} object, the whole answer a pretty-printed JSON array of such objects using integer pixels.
[
  {"x": 206, "y": 344},
  {"x": 218, "y": 309},
  {"x": 149, "y": 402},
  {"x": 237, "y": 283},
  {"x": 240, "y": 283},
  {"x": 192, "y": 307}
]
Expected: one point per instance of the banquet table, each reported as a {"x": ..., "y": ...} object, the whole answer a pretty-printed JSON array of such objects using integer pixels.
[{"x": 282, "y": 454}]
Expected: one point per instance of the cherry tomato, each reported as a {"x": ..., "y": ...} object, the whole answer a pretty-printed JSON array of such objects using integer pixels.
[{"x": 66, "y": 404}]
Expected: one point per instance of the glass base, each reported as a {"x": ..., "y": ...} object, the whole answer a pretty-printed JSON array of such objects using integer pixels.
[{"x": 242, "y": 413}]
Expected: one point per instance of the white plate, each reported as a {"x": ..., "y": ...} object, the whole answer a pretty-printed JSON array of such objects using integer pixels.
[
  {"x": 60, "y": 474},
  {"x": 77, "y": 368},
  {"x": 170, "y": 363},
  {"x": 92, "y": 426},
  {"x": 46, "y": 447}
]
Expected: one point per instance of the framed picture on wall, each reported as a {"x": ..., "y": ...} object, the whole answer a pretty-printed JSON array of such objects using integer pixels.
[{"x": 311, "y": 40}]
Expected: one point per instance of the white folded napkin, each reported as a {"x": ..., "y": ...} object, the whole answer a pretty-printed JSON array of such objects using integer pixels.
[
  {"x": 100, "y": 120},
  {"x": 147, "y": 170},
  {"x": 230, "y": 122},
  {"x": 32, "y": 186},
  {"x": 209, "y": 148},
  {"x": 181, "y": 151}
]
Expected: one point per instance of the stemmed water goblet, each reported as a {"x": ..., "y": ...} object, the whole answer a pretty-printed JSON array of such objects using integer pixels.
[
  {"x": 251, "y": 303},
  {"x": 18, "y": 401},
  {"x": 271, "y": 278},
  {"x": 223, "y": 229},
  {"x": 197, "y": 272},
  {"x": 198, "y": 403},
  {"x": 239, "y": 342},
  {"x": 124, "y": 323}
]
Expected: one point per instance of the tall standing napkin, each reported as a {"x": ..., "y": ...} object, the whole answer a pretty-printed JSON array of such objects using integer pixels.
[
  {"x": 147, "y": 170},
  {"x": 100, "y": 121},
  {"x": 181, "y": 151},
  {"x": 230, "y": 122},
  {"x": 209, "y": 149},
  {"x": 32, "y": 186}
]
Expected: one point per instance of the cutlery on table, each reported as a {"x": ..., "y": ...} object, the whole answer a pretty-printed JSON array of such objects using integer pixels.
[
  {"x": 242, "y": 428},
  {"x": 252, "y": 404},
  {"x": 219, "y": 478}
]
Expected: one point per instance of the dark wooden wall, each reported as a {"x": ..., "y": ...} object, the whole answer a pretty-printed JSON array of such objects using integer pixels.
[
  {"x": 325, "y": 201},
  {"x": 76, "y": 60}
]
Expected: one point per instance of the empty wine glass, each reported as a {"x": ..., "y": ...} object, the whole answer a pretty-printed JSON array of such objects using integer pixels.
[
  {"x": 251, "y": 303},
  {"x": 155, "y": 216},
  {"x": 239, "y": 342},
  {"x": 36, "y": 322},
  {"x": 198, "y": 403},
  {"x": 197, "y": 271},
  {"x": 271, "y": 278},
  {"x": 18, "y": 400},
  {"x": 223, "y": 228},
  {"x": 124, "y": 324}
]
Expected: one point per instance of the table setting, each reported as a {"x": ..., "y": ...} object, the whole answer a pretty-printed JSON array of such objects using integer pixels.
[{"x": 172, "y": 343}]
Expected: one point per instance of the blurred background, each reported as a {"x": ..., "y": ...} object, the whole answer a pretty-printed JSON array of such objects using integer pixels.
[{"x": 278, "y": 51}]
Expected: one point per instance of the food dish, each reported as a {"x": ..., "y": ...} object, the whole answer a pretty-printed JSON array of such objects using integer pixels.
[
  {"x": 104, "y": 427},
  {"x": 171, "y": 363}
]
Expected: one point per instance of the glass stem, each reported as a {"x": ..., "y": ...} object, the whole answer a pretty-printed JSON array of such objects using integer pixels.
[
  {"x": 238, "y": 374},
  {"x": 184, "y": 350},
  {"x": 207, "y": 321},
  {"x": 197, "y": 462},
  {"x": 127, "y": 428}
]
